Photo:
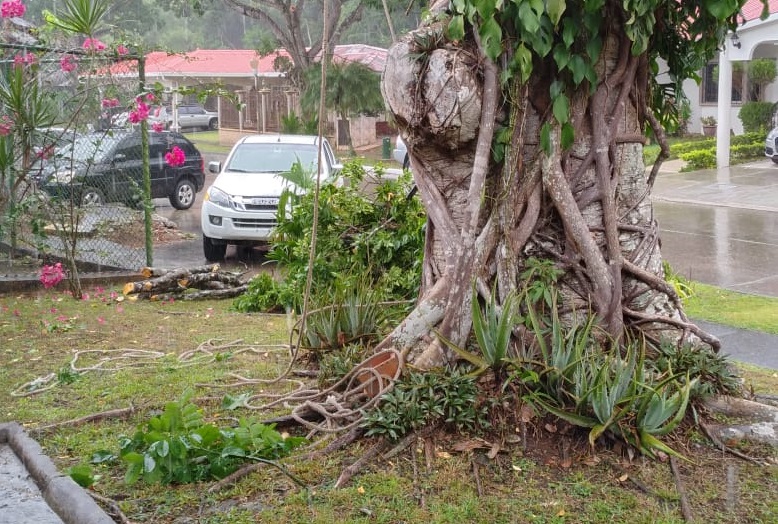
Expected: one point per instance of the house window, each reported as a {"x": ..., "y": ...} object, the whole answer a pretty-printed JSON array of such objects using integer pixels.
[{"x": 710, "y": 83}]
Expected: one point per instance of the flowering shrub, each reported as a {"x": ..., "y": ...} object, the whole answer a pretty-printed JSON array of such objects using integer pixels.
[
  {"x": 12, "y": 8},
  {"x": 109, "y": 102},
  {"x": 23, "y": 60},
  {"x": 158, "y": 127},
  {"x": 122, "y": 50},
  {"x": 6, "y": 125},
  {"x": 175, "y": 157},
  {"x": 67, "y": 63},
  {"x": 93, "y": 44},
  {"x": 52, "y": 275},
  {"x": 140, "y": 113}
]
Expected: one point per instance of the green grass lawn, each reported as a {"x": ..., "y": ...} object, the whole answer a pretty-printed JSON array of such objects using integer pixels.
[
  {"x": 547, "y": 478},
  {"x": 732, "y": 308}
]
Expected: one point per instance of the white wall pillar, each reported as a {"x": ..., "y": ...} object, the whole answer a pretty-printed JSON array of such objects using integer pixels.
[{"x": 724, "y": 106}]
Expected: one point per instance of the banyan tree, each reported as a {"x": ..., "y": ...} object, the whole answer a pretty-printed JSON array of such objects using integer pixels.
[{"x": 525, "y": 122}]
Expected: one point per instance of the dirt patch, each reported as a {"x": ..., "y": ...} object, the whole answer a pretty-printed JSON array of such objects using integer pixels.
[{"x": 163, "y": 231}]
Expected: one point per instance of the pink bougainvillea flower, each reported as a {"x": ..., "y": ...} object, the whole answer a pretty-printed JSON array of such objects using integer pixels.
[
  {"x": 51, "y": 275},
  {"x": 100, "y": 320},
  {"x": 140, "y": 113},
  {"x": 175, "y": 157},
  {"x": 109, "y": 102},
  {"x": 158, "y": 127},
  {"x": 122, "y": 50},
  {"x": 93, "y": 44},
  {"x": 150, "y": 97},
  {"x": 6, "y": 125},
  {"x": 67, "y": 64},
  {"x": 25, "y": 59},
  {"x": 119, "y": 309},
  {"x": 53, "y": 310},
  {"x": 12, "y": 8}
]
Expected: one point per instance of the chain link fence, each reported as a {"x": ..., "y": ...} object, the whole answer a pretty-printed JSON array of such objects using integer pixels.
[{"x": 73, "y": 156}]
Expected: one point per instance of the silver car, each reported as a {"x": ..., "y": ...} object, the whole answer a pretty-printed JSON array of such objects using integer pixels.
[{"x": 771, "y": 145}]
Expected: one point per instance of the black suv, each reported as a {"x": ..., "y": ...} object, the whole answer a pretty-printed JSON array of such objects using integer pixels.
[{"x": 108, "y": 167}]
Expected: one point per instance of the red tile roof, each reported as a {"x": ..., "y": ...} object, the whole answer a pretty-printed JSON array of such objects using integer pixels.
[
  {"x": 237, "y": 62},
  {"x": 752, "y": 9}
]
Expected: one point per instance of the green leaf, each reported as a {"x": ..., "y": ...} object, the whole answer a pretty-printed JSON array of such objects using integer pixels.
[
  {"x": 568, "y": 136},
  {"x": 561, "y": 56},
  {"x": 545, "y": 138},
  {"x": 523, "y": 57},
  {"x": 721, "y": 9},
  {"x": 561, "y": 108},
  {"x": 491, "y": 37},
  {"x": 456, "y": 28},
  {"x": 578, "y": 66},
  {"x": 555, "y": 10},
  {"x": 528, "y": 18},
  {"x": 149, "y": 463},
  {"x": 82, "y": 475},
  {"x": 232, "y": 402}
]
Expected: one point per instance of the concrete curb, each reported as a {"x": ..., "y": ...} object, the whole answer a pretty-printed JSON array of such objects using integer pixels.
[{"x": 68, "y": 500}]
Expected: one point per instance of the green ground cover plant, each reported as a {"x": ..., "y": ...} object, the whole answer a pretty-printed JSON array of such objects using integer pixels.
[{"x": 196, "y": 346}]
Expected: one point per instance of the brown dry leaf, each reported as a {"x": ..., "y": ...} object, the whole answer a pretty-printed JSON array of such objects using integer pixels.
[
  {"x": 623, "y": 478},
  {"x": 469, "y": 445},
  {"x": 443, "y": 454},
  {"x": 494, "y": 451},
  {"x": 551, "y": 428},
  {"x": 361, "y": 490},
  {"x": 527, "y": 413},
  {"x": 560, "y": 513},
  {"x": 566, "y": 463}
]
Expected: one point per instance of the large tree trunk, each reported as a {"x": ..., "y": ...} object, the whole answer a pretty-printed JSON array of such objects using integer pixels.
[{"x": 586, "y": 207}]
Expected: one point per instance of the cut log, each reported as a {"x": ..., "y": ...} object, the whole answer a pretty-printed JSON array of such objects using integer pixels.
[{"x": 178, "y": 283}]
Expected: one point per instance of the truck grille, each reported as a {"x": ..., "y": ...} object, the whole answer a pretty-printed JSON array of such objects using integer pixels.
[{"x": 253, "y": 223}]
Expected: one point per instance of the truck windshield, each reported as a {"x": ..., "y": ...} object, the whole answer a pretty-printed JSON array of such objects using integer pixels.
[{"x": 271, "y": 158}]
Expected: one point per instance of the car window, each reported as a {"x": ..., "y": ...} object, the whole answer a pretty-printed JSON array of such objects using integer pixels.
[
  {"x": 271, "y": 158},
  {"x": 130, "y": 148},
  {"x": 90, "y": 148}
]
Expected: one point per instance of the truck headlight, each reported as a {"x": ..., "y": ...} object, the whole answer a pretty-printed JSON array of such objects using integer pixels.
[{"x": 218, "y": 197}]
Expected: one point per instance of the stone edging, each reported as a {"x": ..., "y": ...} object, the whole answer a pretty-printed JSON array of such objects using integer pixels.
[{"x": 68, "y": 500}]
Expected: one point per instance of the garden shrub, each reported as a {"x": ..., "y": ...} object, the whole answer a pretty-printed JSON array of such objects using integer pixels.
[
  {"x": 362, "y": 240},
  {"x": 699, "y": 159},
  {"x": 676, "y": 150},
  {"x": 757, "y": 116}
]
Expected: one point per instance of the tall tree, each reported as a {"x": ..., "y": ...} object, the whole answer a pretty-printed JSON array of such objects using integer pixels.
[
  {"x": 285, "y": 19},
  {"x": 351, "y": 89},
  {"x": 525, "y": 122}
]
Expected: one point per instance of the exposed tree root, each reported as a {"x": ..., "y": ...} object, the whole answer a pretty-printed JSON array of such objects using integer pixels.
[
  {"x": 112, "y": 505},
  {"x": 711, "y": 434},
  {"x": 103, "y": 415},
  {"x": 365, "y": 459},
  {"x": 686, "y": 509}
]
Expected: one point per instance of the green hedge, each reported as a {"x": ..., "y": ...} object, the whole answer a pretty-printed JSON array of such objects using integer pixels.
[{"x": 701, "y": 154}]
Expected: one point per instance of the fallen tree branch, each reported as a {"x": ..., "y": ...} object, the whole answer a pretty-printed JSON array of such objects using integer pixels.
[{"x": 357, "y": 466}]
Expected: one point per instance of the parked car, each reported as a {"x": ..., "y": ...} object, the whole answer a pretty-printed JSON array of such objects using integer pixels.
[
  {"x": 771, "y": 145},
  {"x": 241, "y": 206},
  {"x": 194, "y": 116},
  {"x": 96, "y": 168},
  {"x": 400, "y": 153}
]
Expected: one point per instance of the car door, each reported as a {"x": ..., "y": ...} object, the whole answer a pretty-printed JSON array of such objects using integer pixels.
[
  {"x": 125, "y": 180},
  {"x": 158, "y": 169}
]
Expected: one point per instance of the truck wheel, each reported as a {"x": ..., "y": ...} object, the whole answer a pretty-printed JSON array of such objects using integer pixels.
[
  {"x": 213, "y": 252},
  {"x": 213, "y": 124}
]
